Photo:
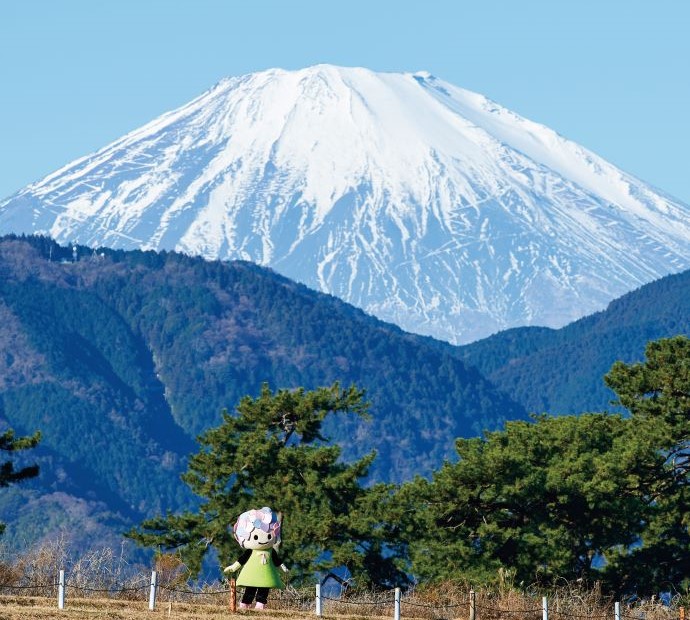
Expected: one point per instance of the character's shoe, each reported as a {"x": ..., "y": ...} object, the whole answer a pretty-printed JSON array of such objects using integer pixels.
[
  {"x": 244, "y": 606},
  {"x": 259, "y": 606}
]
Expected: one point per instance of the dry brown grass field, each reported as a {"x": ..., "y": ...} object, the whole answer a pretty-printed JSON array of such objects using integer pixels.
[
  {"x": 37, "y": 608},
  {"x": 441, "y": 603},
  {"x": 102, "y": 585},
  {"x": 41, "y": 608}
]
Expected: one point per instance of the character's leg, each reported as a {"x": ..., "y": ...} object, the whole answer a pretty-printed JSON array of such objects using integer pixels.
[
  {"x": 261, "y": 597},
  {"x": 247, "y": 597}
]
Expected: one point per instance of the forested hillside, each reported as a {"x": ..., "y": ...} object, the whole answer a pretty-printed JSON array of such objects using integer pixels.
[
  {"x": 561, "y": 371},
  {"x": 122, "y": 358}
]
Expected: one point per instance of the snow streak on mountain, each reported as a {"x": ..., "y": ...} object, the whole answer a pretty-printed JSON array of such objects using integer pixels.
[{"x": 425, "y": 204}]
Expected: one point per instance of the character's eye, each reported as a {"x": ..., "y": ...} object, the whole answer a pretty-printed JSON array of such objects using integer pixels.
[
  {"x": 256, "y": 537},
  {"x": 269, "y": 537}
]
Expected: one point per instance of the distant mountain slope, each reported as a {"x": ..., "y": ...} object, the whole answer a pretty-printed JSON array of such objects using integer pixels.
[
  {"x": 427, "y": 205},
  {"x": 122, "y": 358},
  {"x": 561, "y": 371}
]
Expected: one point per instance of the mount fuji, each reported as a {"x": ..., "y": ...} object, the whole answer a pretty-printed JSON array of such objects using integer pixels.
[{"x": 425, "y": 204}]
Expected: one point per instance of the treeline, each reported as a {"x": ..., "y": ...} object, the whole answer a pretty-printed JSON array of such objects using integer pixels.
[{"x": 597, "y": 497}]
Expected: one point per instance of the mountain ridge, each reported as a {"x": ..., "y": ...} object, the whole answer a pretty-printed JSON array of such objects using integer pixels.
[{"x": 570, "y": 363}]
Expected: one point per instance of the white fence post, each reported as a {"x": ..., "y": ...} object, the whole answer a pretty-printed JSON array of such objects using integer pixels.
[
  {"x": 544, "y": 609},
  {"x": 396, "y": 608},
  {"x": 617, "y": 610},
  {"x": 152, "y": 593},
  {"x": 318, "y": 599},
  {"x": 61, "y": 590},
  {"x": 473, "y": 605}
]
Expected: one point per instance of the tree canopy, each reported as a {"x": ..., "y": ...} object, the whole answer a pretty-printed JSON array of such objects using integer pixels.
[
  {"x": 271, "y": 452},
  {"x": 596, "y": 496},
  {"x": 8, "y": 473},
  {"x": 657, "y": 394},
  {"x": 538, "y": 500}
]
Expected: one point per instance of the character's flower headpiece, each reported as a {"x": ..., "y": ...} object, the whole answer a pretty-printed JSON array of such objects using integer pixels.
[{"x": 265, "y": 520}]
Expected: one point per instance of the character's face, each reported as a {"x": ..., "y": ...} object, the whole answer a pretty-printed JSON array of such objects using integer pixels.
[
  {"x": 259, "y": 540},
  {"x": 257, "y": 529}
]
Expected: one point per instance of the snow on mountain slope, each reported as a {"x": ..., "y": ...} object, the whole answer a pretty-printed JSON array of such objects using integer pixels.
[{"x": 425, "y": 204}]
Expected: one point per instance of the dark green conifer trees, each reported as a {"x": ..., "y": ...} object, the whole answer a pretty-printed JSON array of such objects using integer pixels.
[
  {"x": 8, "y": 473},
  {"x": 271, "y": 453},
  {"x": 591, "y": 497}
]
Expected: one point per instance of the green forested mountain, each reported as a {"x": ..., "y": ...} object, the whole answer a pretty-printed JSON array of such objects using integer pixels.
[
  {"x": 122, "y": 358},
  {"x": 561, "y": 371}
]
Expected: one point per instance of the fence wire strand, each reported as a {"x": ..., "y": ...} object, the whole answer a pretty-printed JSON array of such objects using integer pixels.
[
  {"x": 114, "y": 589},
  {"x": 346, "y": 602},
  {"x": 510, "y": 611},
  {"x": 193, "y": 592},
  {"x": 568, "y": 614},
  {"x": 434, "y": 606}
]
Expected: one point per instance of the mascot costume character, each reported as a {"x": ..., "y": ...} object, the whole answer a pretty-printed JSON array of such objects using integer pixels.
[{"x": 258, "y": 532}]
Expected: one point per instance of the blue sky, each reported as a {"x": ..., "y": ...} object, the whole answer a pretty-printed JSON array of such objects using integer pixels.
[{"x": 612, "y": 75}]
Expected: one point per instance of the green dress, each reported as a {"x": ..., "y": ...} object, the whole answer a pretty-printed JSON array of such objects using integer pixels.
[{"x": 260, "y": 571}]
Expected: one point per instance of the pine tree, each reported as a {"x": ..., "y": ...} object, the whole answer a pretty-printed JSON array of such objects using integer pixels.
[
  {"x": 272, "y": 453},
  {"x": 594, "y": 497},
  {"x": 8, "y": 473}
]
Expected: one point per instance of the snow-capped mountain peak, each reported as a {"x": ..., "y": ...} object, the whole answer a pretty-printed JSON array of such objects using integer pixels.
[{"x": 425, "y": 204}]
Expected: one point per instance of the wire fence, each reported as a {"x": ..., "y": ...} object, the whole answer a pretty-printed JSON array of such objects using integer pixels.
[
  {"x": 413, "y": 604},
  {"x": 433, "y": 604}
]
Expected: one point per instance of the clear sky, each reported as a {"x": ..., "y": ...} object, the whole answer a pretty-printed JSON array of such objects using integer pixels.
[{"x": 613, "y": 75}]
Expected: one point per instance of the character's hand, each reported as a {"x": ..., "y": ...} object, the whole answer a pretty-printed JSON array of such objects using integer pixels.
[
  {"x": 284, "y": 568},
  {"x": 232, "y": 568}
]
